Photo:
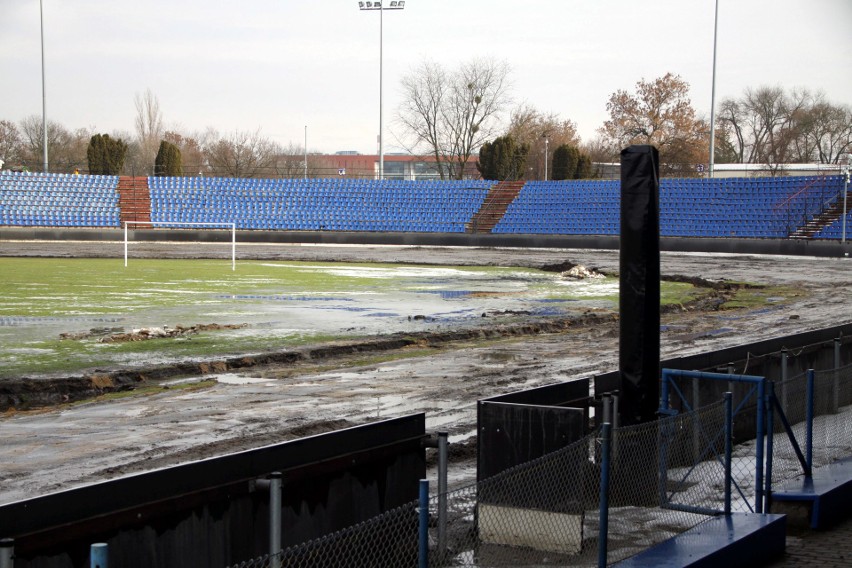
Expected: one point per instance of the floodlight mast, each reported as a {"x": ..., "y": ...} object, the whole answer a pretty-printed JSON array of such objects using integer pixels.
[
  {"x": 394, "y": 5},
  {"x": 43, "y": 87},
  {"x": 713, "y": 94},
  {"x": 846, "y": 174}
]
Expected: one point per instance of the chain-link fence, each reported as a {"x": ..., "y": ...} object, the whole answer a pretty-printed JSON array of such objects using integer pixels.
[
  {"x": 827, "y": 407},
  {"x": 662, "y": 478},
  {"x": 667, "y": 476},
  {"x": 390, "y": 539}
]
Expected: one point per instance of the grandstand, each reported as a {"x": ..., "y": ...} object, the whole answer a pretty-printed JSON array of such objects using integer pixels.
[
  {"x": 58, "y": 200},
  {"x": 775, "y": 208}
]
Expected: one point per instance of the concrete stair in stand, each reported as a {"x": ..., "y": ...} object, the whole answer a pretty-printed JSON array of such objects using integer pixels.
[
  {"x": 134, "y": 199},
  {"x": 819, "y": 222},
  {"x": 494, "y": 207}
]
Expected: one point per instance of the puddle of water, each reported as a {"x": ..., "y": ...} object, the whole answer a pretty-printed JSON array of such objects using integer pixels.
[{"x": 231, "y": 379}]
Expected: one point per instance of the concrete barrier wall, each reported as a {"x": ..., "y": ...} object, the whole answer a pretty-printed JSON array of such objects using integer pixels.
[
  {"x": 212, "y": 512},
  {"x": 794, "y": 247}
]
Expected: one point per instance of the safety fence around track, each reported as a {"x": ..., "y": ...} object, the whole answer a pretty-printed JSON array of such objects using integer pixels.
[
  {"x": 597, "y": 500},
  {"x": 812, "y": 422}
]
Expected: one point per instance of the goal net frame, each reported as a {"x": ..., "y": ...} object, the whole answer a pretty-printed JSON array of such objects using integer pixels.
[{"x": 232, "y": 226}]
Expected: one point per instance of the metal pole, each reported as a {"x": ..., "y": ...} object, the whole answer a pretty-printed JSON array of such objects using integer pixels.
[
  {"x": 729, "y": 437},
  {"x": 759, "y": 445},
  {"x": 233, "y": 246},
  {"x": 696, "y": 403},
  {"x": 836, "y": 398},
  {"x": 306, "y": 151},
  {"x": 125, "y": 244},
  {"x": 784, "y": 356},
  {"x": 443, "y": 455},
  {"x": 809, "y": 421},
  {"x": 43, "y": 87},
  {"x": 381, "y": 61},
  {"x": 423, "y": 549},
  {"x": 545, "y": 158},
  {"x": 603, "y": 532},
  {"x": 98, "y": 555},
  {"x": 713, "y": 93},
  {"x": 275, "y": 518},
  {"x": 7, "y": 553},
  {"x": 606, "y": 409},
  {"x": 770, "y": 440},
  {"x": 845, "y": 210}
]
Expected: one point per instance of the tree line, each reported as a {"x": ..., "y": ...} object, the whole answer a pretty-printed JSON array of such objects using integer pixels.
[{"x": 457, "y": 118}]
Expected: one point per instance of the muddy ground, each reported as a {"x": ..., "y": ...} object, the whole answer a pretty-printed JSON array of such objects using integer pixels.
[{"x": 229, "y": 409}]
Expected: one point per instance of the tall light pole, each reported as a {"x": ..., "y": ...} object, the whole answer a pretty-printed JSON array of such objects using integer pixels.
[
  {"x": 845, "y": 192},
  {"x": 713, "y": 93},
  {"x": 545, "y": 155},
  {"x": 43, "y": 88},
  {"x": 306, "y": 151},
  {"x": 394, "y": 5}
]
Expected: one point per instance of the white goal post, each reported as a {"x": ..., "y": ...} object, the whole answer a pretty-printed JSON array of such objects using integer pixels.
[{"x": 232, "y": 226}]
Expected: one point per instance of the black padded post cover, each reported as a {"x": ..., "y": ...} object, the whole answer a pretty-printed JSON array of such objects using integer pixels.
[{"x": 639, "y": 298}]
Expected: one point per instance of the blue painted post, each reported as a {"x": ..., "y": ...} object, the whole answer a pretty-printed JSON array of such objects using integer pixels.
[
  {"x": 770, "y": 440},
  {"x": 603, "y": 532},
  {"x": 664, "y": 395},
  {"x": 729, "y": 442},
  {"x": 759, "y": 444},
  {"x": 809, "y": 423},
  {"x": 98, "y": 555},
  {"x": 423, "y": 552},
  {"x": 7, "y": 553}
]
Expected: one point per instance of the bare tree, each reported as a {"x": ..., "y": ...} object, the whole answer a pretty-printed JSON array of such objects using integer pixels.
[
  {"x": 771, "y": 126},
  {"x": 149, "y": 127},
  {"x": 191, "y": 151},
  {"x": 823, "y": 132},
  {"x": 451, "y": 114},
  {"x": 10, "y": 143},
  {"x": 530, "y": 126},
  {"x": 659, "y": 113},
  {"x": 67, "y": 149},
  {"x": 240, "y": 154}
]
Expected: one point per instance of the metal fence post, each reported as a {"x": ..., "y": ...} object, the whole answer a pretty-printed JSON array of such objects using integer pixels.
[
  {"x": 835, "y": 404},
  {"x": 274, "y": 518},
  {"x": 443, "y": 455},
  {"x": 770, "y": 441},
  {"x": 7, "y": 553},
  {"x": 98, "y": 555},
  {"x": 762, "y": 401},
  {"x": 785, "y": 358},
  {"x": 603, "y": 532},
  {"x": 730, "y": 369},
  {"x": 809, "y": 421},
  {"x": 729, "y": 443},
  {"x": 696, "y": 404},
  {"x": 423, "y": 532}
]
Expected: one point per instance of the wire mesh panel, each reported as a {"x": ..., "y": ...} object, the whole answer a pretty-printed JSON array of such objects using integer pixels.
[
  {"x": 832, "y": 421},
  {"x": 832, "y": 429},
  {"x": 387, "y": 540},
  {"x": 532, "y": 514},
  {"x": 667, "y": 476}
]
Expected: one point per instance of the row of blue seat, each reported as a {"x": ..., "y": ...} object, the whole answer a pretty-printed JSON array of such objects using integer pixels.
[{"x": 759, "y": 206}]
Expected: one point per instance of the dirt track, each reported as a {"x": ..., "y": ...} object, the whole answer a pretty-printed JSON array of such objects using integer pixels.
[{"x": 67, "y": 446}]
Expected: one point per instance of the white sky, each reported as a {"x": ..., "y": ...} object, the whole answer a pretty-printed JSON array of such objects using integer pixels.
[{"x": 281, "y": 65}]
